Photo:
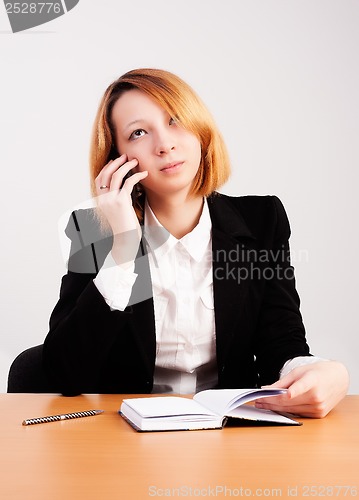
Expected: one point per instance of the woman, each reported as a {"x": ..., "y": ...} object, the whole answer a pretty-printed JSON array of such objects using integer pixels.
[{"x": 171, "y": 286}]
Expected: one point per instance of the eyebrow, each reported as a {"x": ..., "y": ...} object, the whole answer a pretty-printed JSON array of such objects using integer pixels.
[
  {"x": 139, "y": 120},
  {"x": 132, "y": 123}
]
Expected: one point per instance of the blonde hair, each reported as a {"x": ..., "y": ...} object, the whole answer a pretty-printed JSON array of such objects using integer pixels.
[{"x": 181, "y": 102}]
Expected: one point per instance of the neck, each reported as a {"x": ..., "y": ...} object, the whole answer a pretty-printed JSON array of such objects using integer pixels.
[{"x": 177, "y": 214}]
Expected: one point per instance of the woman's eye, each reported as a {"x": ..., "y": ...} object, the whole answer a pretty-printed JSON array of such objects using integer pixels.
[
  {"x": 173, "y": 121},
  {"x": 137, "y": 133}
]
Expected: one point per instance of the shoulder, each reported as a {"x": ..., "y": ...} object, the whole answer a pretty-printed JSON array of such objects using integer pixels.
[
  {"x": 260, "y": 214},
  {"x": 252, "y": 203}
]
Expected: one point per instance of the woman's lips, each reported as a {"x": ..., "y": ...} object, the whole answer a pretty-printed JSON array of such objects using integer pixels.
[{"x": 172, "y": 167}]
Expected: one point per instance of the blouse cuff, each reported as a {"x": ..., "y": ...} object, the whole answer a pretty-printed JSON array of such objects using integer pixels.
[
  {"x": 298, "y": 361},
  {"x": 115, "y": 283}
]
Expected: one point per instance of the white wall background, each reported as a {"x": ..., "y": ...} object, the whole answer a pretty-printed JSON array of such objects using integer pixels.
[{"x": 281, "y": 78}]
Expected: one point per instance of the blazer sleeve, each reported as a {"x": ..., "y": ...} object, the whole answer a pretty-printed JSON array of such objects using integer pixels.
[
  {"x": 83, "y": 329},
  {"x": 280, "y": 333}
]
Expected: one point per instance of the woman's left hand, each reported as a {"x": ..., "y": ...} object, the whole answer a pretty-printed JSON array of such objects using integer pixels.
[{"x": 313, "y": 390}]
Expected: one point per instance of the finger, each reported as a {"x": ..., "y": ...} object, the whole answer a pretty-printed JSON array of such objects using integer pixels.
[
  {"x": 301, "y": 409},
  {"x": 279, "y": 399},
  {"x": 130, "y": 182},
  {"x": 301, "y": 385},
  {"x": 105, "y": 175},
  {"x": 113, "y": 165},
  {"x": 278, "y": 384},
  {"x": 119, "y": 174},
  {"x": 282, "y": 400},
  {"x": 282, "y": 383},
  {"x": 296, "y": 385},
  {"x": 289, "y": 380},
  {"x": 297, "y": 392}
]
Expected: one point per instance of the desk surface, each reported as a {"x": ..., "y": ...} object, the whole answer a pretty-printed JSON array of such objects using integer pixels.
[{"x": 103, "y": 457}]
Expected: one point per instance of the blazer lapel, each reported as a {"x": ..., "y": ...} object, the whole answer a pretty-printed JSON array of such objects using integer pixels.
[
  {"x": 230, "y": 240},
  {"x": 142, "y": 308}
]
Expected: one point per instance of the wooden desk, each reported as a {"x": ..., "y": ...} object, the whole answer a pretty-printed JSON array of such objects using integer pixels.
[{"x": 103, "y": 457}]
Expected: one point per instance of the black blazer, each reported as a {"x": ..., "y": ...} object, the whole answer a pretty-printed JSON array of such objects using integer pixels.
[{"x": 90, "y": 348}]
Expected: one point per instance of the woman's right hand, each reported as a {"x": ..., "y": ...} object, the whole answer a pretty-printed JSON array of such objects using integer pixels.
[{"x": 115, "y": 203}]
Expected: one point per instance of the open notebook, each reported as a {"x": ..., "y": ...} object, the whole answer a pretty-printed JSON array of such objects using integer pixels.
[{"x": 208, "y": 409}]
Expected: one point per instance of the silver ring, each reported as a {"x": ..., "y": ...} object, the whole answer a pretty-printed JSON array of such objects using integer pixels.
[{"x": 103, "y": 187}]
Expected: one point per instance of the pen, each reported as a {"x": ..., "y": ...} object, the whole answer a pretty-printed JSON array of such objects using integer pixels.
[{"x": 64, "y": 416}]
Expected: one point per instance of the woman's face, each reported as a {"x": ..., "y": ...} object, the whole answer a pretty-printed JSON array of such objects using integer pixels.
[{"x": 145, "y": 131}]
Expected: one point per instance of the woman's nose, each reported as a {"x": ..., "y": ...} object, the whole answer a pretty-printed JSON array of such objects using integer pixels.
[{"x": 165, "y": 144}]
